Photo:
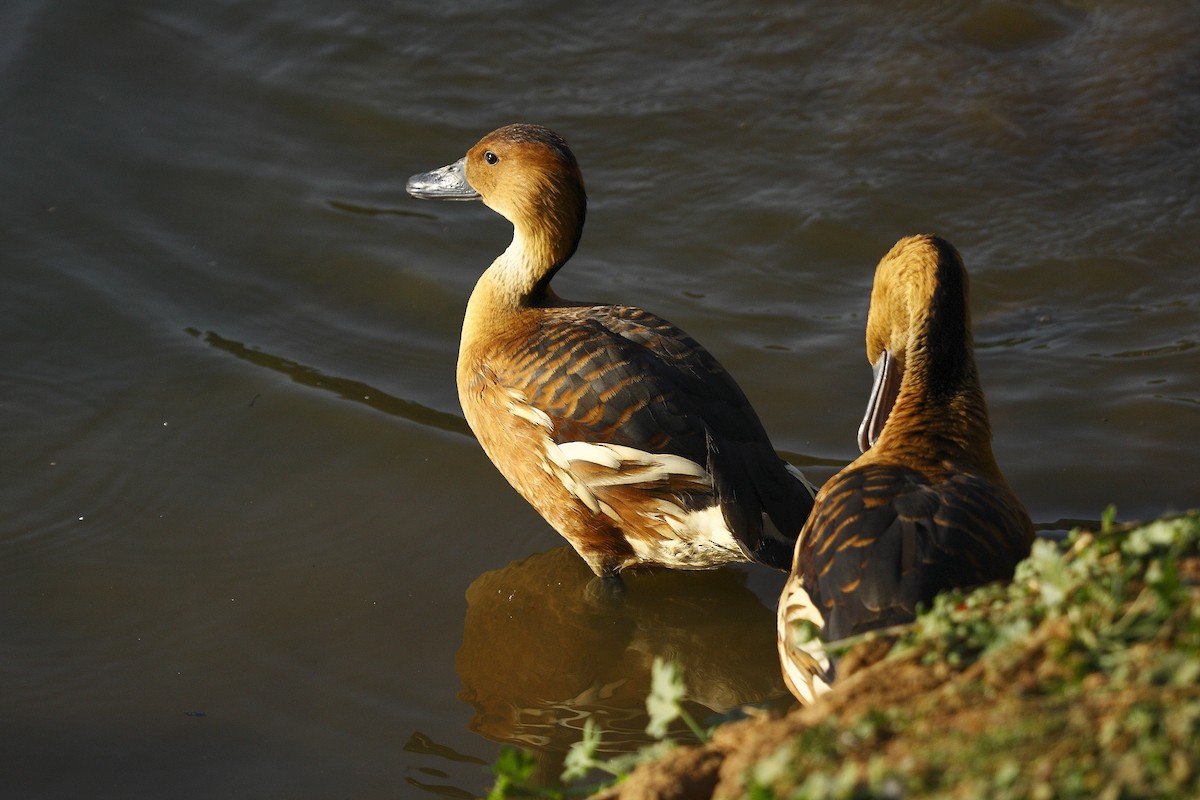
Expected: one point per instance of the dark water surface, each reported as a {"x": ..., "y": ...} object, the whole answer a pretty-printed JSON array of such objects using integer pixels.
[{"x": 247, "y": 545}]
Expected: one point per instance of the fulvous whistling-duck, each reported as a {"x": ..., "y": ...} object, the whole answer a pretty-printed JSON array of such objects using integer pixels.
[
  {"x": 622, "y": 431},
  {"x": 925, "y": 507}
]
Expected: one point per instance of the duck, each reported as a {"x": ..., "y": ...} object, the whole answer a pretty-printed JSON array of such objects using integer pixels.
[
  {"x": 626, "y": 435},
  {"x": 925, "y": 507}
]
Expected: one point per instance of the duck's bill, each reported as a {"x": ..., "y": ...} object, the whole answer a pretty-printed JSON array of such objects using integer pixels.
[
  {"x": 884, "y": 390},
  {"x": 446, "y": 183}
]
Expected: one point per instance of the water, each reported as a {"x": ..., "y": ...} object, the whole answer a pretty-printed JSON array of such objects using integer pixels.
[{"x": 247, "y": 546}]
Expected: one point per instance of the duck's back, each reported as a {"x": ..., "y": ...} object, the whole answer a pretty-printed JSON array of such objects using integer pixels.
[
  {"x": 614, "y": 423},
  {"x": 892, "y": 537}
]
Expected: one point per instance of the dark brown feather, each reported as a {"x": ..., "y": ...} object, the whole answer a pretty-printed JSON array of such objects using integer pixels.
[{"x": 892, "y": 538}]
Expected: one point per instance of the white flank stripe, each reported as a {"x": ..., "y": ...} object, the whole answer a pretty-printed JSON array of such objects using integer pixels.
[
  {"x": 593, "y": 453},
  {"x": 688, "y": 539},
  {"x": 518, "y": 405},
  {"x": 636, "y": 466}
]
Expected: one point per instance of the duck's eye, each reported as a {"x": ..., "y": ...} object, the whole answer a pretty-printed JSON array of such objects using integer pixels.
[{"x": 491, "y": 157}]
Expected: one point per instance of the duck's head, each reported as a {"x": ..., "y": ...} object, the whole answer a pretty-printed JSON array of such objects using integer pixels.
[
  {"x": 528, "y": 175},
  {"x": 918, "y": 327}
]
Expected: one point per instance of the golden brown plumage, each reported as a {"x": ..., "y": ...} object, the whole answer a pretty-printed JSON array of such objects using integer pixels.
[
  {"x": 625, "y": 434},
  {"x": 925, "y": 507}
]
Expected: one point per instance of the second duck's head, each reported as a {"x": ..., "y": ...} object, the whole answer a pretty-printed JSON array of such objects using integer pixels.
[
  {"x": 527, "y": 174},
  {"x": 918, "y": 328}
]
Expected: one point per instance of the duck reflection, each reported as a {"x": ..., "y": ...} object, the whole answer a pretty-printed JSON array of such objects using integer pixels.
[{"x": 546, "y": 644}]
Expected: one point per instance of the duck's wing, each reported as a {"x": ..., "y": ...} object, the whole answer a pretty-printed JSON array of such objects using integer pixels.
[
  {"x": 620, "y": 388},
  {"x": 885, "y": 539}
]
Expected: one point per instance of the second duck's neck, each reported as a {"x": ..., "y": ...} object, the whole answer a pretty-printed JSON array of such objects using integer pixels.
[
  {"x": 940, "y": 395},
  {"x": 953, "y": 415}
]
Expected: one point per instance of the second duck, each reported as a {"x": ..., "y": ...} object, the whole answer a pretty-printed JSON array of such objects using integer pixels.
[{"x": 925, "y": 508}]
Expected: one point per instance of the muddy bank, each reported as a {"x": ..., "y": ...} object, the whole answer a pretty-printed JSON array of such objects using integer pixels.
[{"x": 1080, "y": 679}]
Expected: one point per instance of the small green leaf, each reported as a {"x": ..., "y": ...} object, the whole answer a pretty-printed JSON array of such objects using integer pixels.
[
  {"x": 581, "y": 758},
  {"x": 1107, "y": 518},
  {"x": 666, "y": 692},
  {"x": 513, "y": 768}
]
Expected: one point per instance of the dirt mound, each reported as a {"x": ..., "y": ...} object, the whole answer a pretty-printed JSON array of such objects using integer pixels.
[{"x": 1079, "y": 679}]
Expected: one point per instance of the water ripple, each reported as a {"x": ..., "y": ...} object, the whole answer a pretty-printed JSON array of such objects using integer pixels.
[{"x": 345, "y": 388}]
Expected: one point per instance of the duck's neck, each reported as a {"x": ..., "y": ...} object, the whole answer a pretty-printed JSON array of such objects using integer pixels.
[
  {"x": 519, "y": 278},
  {"x": 955, "y": 417},
  {"x": 940, "y": 394}
]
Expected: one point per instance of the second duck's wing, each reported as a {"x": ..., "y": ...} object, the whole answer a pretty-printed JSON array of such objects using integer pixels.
[{"x": 884, "y": 539}]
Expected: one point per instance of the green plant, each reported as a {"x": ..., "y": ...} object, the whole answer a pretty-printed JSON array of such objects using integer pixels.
[{"x": 514, "y": 768}]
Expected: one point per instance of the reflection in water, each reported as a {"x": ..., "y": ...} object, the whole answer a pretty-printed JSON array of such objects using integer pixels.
[
  {"x": 422, "y": 744},
  {"x": 545, "y": 645}
]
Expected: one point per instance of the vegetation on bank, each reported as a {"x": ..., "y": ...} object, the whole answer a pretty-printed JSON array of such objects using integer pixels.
[{"x": 1081, "y": 678}]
